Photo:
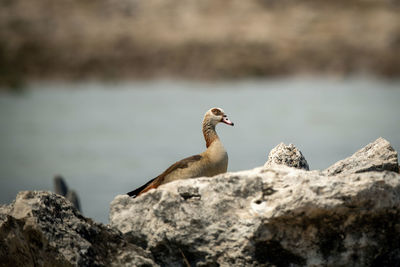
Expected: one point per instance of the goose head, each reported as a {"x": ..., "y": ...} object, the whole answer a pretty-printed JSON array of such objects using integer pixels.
[{"x": 216, "y": 115}]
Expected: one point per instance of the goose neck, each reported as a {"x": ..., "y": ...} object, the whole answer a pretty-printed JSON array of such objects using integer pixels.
[{"x": 210, "y": 135}]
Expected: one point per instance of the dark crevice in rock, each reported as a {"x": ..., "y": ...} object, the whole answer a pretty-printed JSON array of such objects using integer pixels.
[
  {"x": 388, "y": 258},
  {"x": 272, "y": 252},
  {"x": 380, "y": 168},
  {"x": 267, "y": 191},
  {"x": 189, "y": 193},
  {"x": 174, "y": 254},
  {"x": 330, "y": 242},
  {"x": 137, "y": 238}
]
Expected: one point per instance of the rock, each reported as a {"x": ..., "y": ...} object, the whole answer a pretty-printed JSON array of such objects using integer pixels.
[
  {"x": 376, "y": 156},
  {"x": 44, "y": 229},
  {"x": 287, "y": 155},
  {"x": 275, "y": 216}
]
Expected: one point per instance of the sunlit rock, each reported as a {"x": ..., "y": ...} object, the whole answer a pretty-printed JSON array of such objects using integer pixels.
[{"x": 276, "y": 215}]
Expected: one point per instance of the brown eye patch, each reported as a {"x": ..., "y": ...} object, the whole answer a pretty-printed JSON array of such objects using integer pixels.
[{"x": 216, "y": 111}]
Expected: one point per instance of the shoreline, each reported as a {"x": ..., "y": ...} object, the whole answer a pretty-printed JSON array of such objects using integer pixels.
[{"x": 209, "y": 40}]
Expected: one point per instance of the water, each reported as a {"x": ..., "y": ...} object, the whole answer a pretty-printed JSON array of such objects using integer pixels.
[{"x": 107, "y": 139}]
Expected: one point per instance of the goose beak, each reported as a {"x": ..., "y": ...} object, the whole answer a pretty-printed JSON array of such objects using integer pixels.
[{"x": 227, "y": 121}]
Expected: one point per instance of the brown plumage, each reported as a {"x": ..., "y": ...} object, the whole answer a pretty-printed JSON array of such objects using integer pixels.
[{"x": 211, "y": 162}]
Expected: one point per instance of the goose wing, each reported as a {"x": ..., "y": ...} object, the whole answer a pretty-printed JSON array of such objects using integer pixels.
[{"x": 156, "y": 182}]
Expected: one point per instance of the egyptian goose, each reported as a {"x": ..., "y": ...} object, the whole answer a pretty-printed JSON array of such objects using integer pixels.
[{"x": 211, "y": 162}]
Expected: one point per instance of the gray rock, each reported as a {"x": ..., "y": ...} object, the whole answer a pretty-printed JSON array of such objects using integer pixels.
[
  {"x": 287, "y": 155},
  {"x": 347, "y": 215},
  {"x": 376, "y": 156},
  {"x": 44, "y": 229},
  {"x": 275, "y": 216}
]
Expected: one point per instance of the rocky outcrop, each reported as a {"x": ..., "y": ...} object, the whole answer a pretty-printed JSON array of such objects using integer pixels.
[
  {"x": 44, "y": 229},
  {"x": 286, "y": 155},
  {"x": 273, "y": 216},
  {"x": 377, "y": 156}
]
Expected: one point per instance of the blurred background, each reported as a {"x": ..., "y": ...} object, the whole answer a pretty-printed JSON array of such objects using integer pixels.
[{"x": 109, "y": 93}]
